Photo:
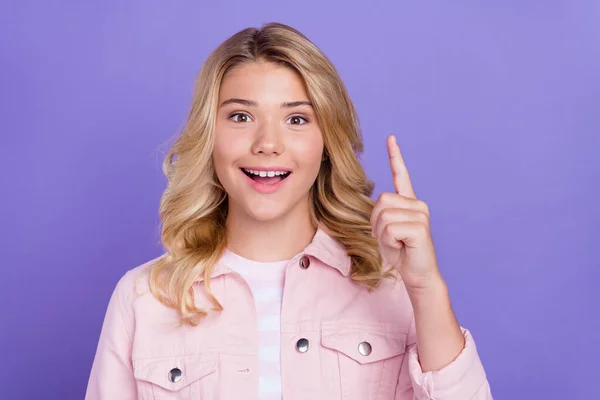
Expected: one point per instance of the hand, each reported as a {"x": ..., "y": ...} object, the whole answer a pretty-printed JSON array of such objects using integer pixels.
[{"x": 401, "y": 225}]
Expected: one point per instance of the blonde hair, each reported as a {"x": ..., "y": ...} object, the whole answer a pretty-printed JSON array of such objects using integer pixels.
[{"x": 193, "y": 207}]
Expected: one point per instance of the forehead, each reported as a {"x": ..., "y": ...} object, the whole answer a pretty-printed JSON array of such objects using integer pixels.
[{"x": 263, "y": 82}]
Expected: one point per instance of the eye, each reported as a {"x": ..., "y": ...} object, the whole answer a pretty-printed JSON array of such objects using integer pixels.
[
  {"x": 297, "y": 120},
  {"x": 240, "y": 117}
]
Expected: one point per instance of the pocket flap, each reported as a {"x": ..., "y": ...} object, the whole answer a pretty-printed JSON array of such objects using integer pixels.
[
  {"x": 364, "y": 343},
  {"x": 159, "y": 370}
]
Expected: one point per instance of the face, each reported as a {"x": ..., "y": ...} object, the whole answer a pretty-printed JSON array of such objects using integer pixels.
[{"x": 268, "y": 145}]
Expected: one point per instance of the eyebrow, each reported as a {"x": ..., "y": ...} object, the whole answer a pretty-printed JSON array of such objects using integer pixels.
[{"x": 252, "y": 103}]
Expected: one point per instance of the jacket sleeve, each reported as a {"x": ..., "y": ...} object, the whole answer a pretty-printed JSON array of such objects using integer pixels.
[
  {"x": 462, "y": 379},
  {"x": 112, "y": 377}
]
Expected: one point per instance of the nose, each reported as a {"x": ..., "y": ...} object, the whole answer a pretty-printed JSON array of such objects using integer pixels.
[{"x": 268, "y": 139}]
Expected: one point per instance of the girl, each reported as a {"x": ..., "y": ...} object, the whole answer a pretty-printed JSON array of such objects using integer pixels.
[{"x": 281, "y": 277}]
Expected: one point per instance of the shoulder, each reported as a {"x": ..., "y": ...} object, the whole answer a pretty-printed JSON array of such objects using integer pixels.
[
  {"x": 387, "y": 303},
  {"x": 135, "y": 283}
]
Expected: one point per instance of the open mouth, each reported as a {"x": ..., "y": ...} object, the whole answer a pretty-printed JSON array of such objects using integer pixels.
[{"x": 266, "y": 177}]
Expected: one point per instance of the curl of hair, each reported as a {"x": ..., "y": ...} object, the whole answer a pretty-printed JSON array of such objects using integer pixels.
[{"x": 193, "y": 207}]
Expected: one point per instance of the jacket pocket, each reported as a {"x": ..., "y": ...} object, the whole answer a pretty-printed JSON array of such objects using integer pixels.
[
  {"x": 369, "y": 357},
  {"x": 180, "y": 377}
]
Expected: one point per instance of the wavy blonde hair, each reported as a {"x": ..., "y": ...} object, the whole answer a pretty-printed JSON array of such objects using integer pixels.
[{"x": 193, "y": 208}]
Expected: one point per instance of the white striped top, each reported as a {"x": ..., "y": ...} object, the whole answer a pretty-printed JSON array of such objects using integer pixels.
[{"x": 266, "y": 282}]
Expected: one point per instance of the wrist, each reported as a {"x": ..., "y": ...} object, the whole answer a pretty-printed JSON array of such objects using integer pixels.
[
  {"x": 434, "y": 294},
  {"x": 433, "y": 288}
]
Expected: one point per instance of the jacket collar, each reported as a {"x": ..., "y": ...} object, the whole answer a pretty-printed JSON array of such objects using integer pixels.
[
  {"x": 323, "y": 247},
  {"x": 330, "y": 252}
]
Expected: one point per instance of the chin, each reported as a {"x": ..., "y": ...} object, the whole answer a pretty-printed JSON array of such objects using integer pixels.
[{"x": 265, "y": 214}]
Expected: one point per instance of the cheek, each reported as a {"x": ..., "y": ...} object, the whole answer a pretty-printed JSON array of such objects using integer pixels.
[
  {"x": 219, "y": 158},
  {"x": 309, "y": 153},
  {"x": 223, "y": 157},
  {"x": 226, "y": 150}
]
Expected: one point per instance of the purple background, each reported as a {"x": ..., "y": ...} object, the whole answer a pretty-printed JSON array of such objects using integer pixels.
[{"x": 496, "y": 106}]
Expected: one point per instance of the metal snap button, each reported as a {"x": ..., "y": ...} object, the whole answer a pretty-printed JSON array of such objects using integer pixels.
[
  {"x": 364, "y": 348},
  {"x": 304, "y": 262},
  {"x": 302, "y": 345},
  {"x": 175, "y": 375}
]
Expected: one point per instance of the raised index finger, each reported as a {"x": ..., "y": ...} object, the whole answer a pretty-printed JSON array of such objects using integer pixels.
[{"x": 400, "y": 176}]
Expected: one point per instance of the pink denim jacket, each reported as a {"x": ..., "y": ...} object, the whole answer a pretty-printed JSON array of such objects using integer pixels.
[{"x": 338, "y": 341}]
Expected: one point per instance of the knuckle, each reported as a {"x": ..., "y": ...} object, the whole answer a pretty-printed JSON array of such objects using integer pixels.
[
  {"x": 387, "y": 216},
  {"x": 387, "y": 231},
  {"x": 423, "y": 206},
  {"x": 384, "y": 215},
  {"x": 385, "y": 197},
  {"x": 422, "y": 228},
  {"x": 373, "y": 216}
]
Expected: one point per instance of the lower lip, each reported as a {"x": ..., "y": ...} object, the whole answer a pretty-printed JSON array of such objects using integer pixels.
[{"x": 265, "y": 189}]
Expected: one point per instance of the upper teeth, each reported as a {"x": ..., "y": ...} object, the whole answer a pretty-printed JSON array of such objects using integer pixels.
[{"x": 265, "y": 173}]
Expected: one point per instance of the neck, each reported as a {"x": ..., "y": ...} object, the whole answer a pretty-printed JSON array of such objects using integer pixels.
[{"x": 274, "y": 240}]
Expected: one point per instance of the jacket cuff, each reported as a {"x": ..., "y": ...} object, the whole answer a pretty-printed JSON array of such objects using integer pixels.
[{"x": 462, "y": 379}]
